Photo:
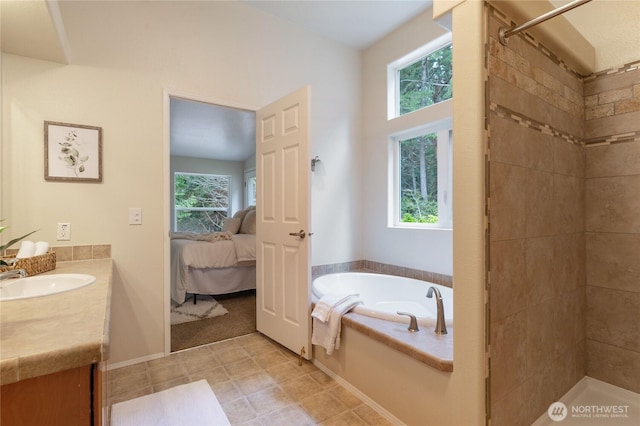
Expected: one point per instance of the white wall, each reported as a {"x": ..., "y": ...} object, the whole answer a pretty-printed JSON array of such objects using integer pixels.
[
  {"x": 125, "y": 55},
  {"x": 429, "y": 250}
]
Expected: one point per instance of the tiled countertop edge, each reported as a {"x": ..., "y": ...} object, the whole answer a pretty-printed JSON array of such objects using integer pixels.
[{"x": 425, "y": 346}]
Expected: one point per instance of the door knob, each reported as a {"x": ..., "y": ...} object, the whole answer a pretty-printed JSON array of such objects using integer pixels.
[{"x": 300, "y": 234}]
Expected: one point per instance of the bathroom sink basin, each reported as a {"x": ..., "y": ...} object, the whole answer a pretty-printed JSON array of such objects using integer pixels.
[{"x": 42, "y": 285}]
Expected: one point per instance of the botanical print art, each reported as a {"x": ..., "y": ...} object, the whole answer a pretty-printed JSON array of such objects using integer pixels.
[{"x": 73, "y": 152}]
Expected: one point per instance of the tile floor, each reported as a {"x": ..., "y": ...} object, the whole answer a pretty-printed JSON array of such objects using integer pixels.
[{"x": 257, "y": 381}]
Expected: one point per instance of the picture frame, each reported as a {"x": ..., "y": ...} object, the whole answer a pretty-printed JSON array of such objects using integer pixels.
[{"x": 72, "y": 152}]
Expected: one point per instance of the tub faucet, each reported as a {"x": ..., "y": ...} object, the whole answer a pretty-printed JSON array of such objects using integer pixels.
[
  {"x": 413, "y": 323},
  {"x": 441, "y": 328}
]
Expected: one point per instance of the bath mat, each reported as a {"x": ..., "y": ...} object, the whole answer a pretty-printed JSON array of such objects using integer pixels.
[
  {"x": 207, "y": 307},
  {"x": 193, "y": 404}
]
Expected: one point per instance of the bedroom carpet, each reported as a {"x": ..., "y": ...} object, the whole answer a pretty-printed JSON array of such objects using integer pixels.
[
  {"x": 207, "y": 307},
  {"x": 240, "y": 320}
]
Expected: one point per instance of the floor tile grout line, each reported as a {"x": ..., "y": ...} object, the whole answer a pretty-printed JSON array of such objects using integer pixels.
[{"x": 325, "y": 384}]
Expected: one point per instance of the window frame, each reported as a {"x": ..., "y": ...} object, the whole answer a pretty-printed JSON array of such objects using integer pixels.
[
  {"x": 444, "y": 129},
  {"x": 250, "y": 193},
  {"x": 393, "y": 69},
  {"x": 176, "y": 209}
]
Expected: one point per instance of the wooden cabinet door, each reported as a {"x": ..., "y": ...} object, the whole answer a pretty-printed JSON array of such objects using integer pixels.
[{"x": 62, "y": 398}]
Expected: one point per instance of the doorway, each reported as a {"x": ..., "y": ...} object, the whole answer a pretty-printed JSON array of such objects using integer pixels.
[{"x": 211, "y": 149}]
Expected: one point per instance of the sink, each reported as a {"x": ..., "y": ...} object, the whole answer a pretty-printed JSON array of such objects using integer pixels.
[{"x": 42, "y": 285}]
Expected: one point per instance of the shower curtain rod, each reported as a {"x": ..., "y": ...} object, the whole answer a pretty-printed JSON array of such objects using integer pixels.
[{"x": 505, "y": 33}]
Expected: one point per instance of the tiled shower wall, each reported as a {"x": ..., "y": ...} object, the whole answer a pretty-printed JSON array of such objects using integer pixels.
[
  {"x": 612, "y": 113},
  {"x": 536, "y": 232}
]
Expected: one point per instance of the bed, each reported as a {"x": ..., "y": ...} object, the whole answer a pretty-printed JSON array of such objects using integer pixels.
[{"x": 218, "y": 263}]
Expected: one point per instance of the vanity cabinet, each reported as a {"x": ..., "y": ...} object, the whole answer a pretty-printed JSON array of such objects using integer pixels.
[
  {"x": 53, "y": 351},
  {"x": 66, "y": 398}
]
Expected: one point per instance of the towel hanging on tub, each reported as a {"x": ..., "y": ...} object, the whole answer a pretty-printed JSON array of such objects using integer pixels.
[{"x": 327, "y": 333}]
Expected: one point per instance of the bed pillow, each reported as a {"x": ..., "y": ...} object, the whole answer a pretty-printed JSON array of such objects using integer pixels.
[
  {"x": 240, "y": 214},
  {"x": 249, "y": 223},
  {"x": 231, "y": 225}
]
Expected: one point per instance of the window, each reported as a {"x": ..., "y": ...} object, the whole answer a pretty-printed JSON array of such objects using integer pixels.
[
  {"x": 422, "y": 178},
  {"x": 421, "y": 78},
  {"x": 250, "y": 187},
  {"x": 201, "y": 202}
]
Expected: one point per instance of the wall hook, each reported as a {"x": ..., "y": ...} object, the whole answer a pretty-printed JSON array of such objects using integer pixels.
[{"x": 314, "y": 161}]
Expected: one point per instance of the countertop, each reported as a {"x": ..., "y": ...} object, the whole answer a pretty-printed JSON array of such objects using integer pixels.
[
  {"x": 44, "y": 335},
  {"x": 425, "y": 345}
]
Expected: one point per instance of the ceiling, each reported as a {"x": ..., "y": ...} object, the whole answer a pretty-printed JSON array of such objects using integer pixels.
[
  {"x": 612, "y": 27},
  {"x": 354, "y": 23},
  {"x": 35, "y": 29},
  {"x": 203, "y": 130}
]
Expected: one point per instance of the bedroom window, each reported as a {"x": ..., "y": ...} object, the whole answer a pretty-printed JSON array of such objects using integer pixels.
[
  {"x": 422, "y": 177},
  {"x": 250, "y": 187},
  {"x": 201, "y": 202}
]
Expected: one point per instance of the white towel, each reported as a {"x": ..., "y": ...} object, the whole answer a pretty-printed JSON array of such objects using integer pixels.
[
  {"x": 42, "y": 247},
  {"x": 27, "y": 249},
  {"x": 193, "y": 404},
  {"x": 327, "y": 334},
  {"x": 323, "y": 308}
]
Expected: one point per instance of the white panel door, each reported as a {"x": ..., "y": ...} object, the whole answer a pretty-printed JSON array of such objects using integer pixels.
[{"x": 282, "y": 207}]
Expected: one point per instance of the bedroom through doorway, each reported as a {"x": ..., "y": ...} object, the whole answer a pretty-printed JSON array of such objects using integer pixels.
[
  {"x": 239, "y": 320},
  {"x": 212, "y": 244}
]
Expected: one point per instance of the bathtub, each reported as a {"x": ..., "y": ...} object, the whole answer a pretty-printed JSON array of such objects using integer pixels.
[{"x": 384, "y": 295}]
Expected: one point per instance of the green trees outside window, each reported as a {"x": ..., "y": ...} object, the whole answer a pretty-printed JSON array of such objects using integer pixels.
[
  {"x": 201, "y": 202},
  {"x": 419, "y": 179},
  {"x": 424, "y": 82}
]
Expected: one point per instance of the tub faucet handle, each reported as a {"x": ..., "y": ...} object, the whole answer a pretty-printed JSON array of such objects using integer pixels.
[{"x": 413, "y": 323}]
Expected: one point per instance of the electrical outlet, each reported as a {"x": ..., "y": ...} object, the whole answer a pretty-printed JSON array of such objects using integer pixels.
[
  {"x": 64, "y": 232},
  {"x": 135, "y": 216}
]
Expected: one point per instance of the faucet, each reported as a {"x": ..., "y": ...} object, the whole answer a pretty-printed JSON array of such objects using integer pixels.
[
  {"x": 12, "y": 274},
  {"x": 441, "y": 328},
  {"x": 413, "y": 323}
]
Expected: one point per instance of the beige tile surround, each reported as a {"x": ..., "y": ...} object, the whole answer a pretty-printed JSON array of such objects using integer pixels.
[
  {"x": 383, "y": 268},
  {"x": 563, "y": 221},
  {"x": 536, "y": 235},
  {"x": 613, "y": 226},
  {"x": 73, "y": 253}
]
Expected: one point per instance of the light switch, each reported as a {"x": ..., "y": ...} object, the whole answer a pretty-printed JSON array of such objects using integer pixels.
[{"x": 135, "y": 216}]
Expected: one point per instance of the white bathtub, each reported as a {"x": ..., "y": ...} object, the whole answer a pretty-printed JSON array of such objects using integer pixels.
[{"x": 384, "y": 295}]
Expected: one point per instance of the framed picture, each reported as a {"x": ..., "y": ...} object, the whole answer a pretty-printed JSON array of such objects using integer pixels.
[{"x": 72, "y": 152}]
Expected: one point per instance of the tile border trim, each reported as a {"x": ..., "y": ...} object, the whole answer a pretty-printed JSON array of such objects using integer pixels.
[{"x": 382, "y": 268}]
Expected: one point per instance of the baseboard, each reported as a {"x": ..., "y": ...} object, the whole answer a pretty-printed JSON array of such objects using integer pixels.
[
  {"x": 129, "y": 362},
  {"x": 370, "y": 402}
]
